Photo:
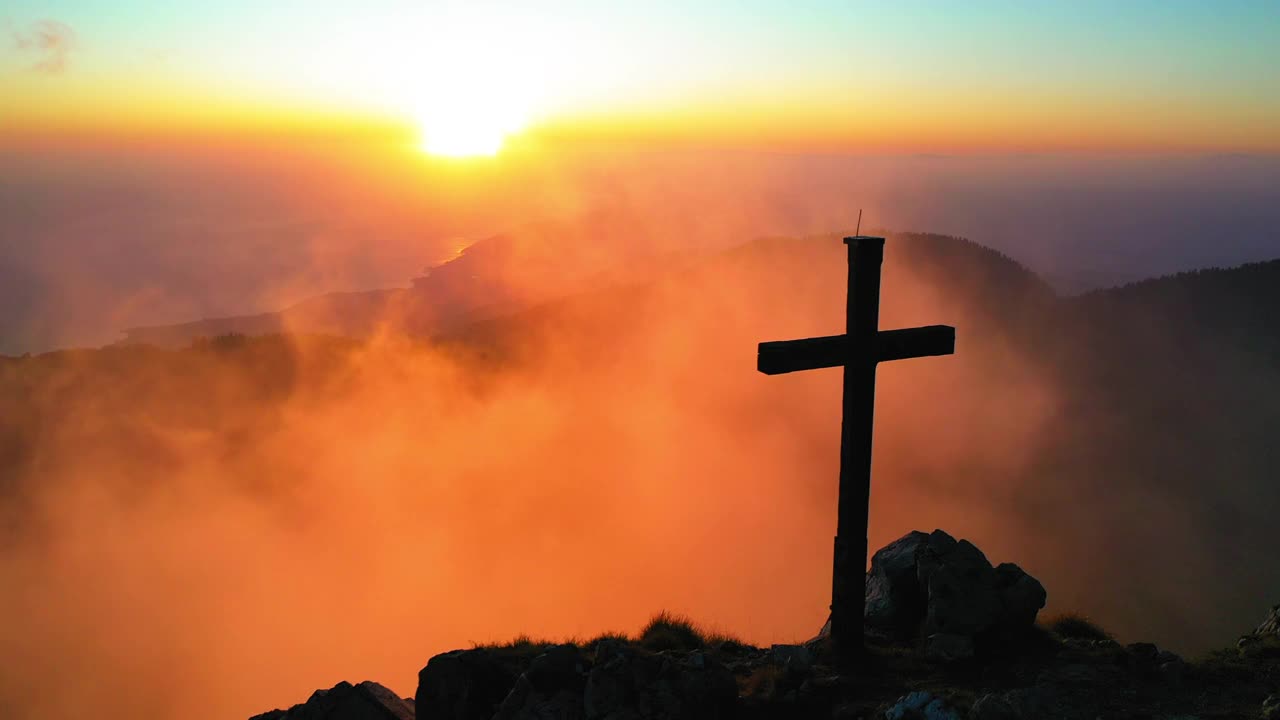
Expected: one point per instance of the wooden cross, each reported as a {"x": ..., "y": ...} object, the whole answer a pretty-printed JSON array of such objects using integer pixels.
[{"x": 858, "y": 350}]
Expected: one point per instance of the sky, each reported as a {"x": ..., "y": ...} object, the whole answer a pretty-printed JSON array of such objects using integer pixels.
[
  {"x": 1147, "y": 76},
  {"x": 168, "y": 161}
]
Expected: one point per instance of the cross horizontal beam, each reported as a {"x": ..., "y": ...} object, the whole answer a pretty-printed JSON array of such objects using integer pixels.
[{"x": 784, "y": 356}]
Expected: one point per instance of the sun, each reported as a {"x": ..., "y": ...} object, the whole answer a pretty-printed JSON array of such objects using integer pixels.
[
  {"x": 459, "y": 139},
  {"x": 471, "y": 123},
  {"x": 478, "y": 91}
]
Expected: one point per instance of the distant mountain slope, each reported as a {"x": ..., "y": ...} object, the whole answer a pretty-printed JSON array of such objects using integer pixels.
[
  {"x": 502, "y": 275},
  {"x": 492, "y": 277},
  {"x": 1237, "y": 303},
  {"x": 1123, "y": 442},
  {"x": 990, "y": 287}
]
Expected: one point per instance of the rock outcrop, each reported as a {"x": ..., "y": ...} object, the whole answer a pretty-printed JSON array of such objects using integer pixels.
[
  {"x": 614, "y": 680},
  {"x": 465, "y": 684},
  {"x": 930, "y": 598},
  {"x": 945, "y": 591},
  {"x": 344, "y": 701},
  {"x": 1270, "y": 626},
  {"x": 1265, "y": 639},
  {"x": 626, "y": 682}
]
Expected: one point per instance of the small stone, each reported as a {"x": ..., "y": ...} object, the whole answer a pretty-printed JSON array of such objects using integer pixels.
[
  {"x": 909, "y": 706},
  {"x": 827, "y": 682},
  {"x": 1173, "y": 671},
  {"x": 948, "y": 647},
  {"x": 993, "y": 707},
  {"x": 921, "y": 705},
  {"x": 795, "y": 658},
  {"x": 1143, "y": 651},
  {"x": 822, "y": 685}
]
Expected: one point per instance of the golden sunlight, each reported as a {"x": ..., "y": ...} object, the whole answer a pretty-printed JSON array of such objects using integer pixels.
[
  {"x": 471, "y": 111},
  {"x": 479, "y": 91},
  {"x": 466, "y": 132}
]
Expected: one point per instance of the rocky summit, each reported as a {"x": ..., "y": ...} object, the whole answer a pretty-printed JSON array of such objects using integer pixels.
[{"x": 949, "y": 637}]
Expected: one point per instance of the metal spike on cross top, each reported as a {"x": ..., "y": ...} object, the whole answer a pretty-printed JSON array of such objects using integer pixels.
[{"x": 859, "y": 350}]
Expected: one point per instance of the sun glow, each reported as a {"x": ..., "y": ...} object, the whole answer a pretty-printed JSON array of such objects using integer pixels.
[
  {"x": 462, "y": 127},
  {"x": 479, "y": 89},
  {"x": 462, "y": 142}
]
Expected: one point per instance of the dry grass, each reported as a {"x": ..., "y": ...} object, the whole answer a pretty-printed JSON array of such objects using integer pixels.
[
  {"x": 1075, "y": 626},
  {"x": 605, "y": 637},
  {"x": 522, "y": 647},
  {"x": 762, "y": 683},
  {"x": 663, "y": 632},
  {"x": 670, "y": 631}
]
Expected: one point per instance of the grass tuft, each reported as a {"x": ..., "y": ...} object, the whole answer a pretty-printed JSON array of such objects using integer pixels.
[
  {"x": 605, "y": 637},
  {"x": 1076, "y": 626},
  {"x": 724, "y": 642},
  {"x": 669, "y": 631},
  {"x": 665, "y": 631},
  {"x": 521, "y": 646}
]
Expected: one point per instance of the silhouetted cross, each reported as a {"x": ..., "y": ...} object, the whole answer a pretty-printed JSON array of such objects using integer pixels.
[{"x": 862, "y": 346}]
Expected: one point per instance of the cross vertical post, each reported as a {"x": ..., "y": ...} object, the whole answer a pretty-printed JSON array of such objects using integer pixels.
[
  {"x": 862, "y": 322},
  {"x": 862, "y": 346}
]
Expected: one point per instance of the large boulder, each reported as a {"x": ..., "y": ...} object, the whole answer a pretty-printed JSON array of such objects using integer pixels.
[
  {"x": 945, "y": 591},
  {"x": 464, "y": 684},
  {"x": 895, "y": 601},
  {"x": 551, "y": 687},
  {"x": 627, "y": 683},
  {"x": 344, "y": 701}
]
